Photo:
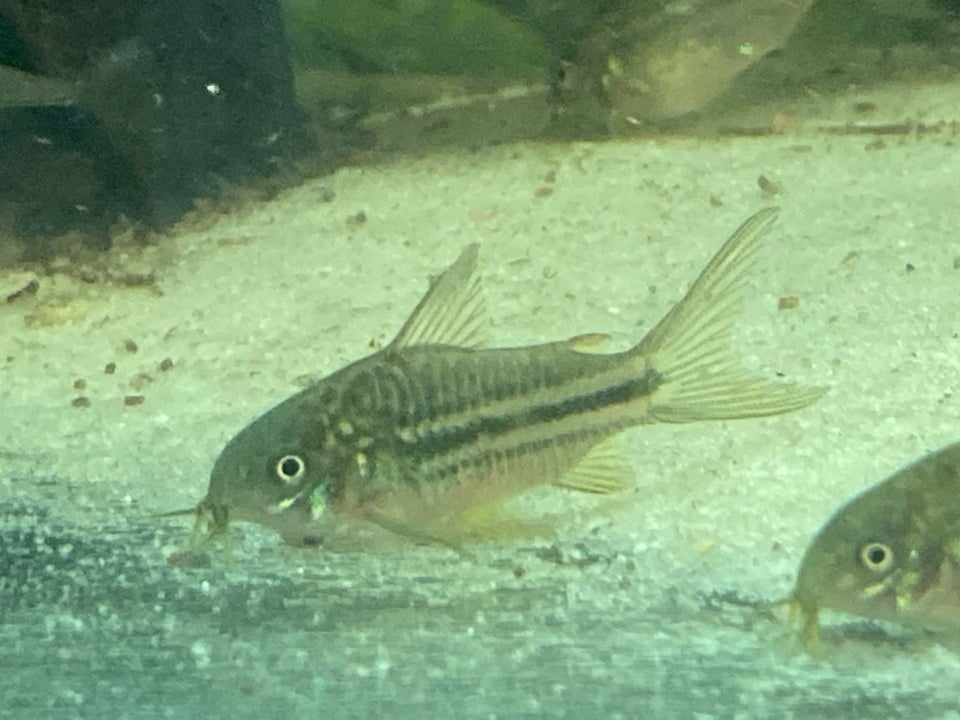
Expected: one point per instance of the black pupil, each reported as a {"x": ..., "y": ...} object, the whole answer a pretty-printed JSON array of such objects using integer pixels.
[
  {"x": 289, "y": 467},
  {"x": 876, "y": 555}
]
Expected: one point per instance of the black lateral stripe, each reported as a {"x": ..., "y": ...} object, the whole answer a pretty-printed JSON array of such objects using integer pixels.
[{"x": 458, "y": 436}]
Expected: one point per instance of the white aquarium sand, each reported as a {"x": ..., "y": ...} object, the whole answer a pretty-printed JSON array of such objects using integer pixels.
[{"x": 638, "y": 607}]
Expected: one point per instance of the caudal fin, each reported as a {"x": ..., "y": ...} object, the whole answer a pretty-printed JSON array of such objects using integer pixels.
[{"x": 691, "y": 348}]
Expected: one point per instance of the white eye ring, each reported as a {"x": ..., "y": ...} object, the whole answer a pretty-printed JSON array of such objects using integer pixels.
[
  {"x": 290, "y": 468},
  {"x": 876, "y": 556}
]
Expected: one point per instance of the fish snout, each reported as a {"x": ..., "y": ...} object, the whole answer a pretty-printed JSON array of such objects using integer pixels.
[
  {"x": 213, "y": 517},
  {"x": 805, "y": 611}
]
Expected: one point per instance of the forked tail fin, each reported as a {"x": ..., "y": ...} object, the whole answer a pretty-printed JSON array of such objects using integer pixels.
[{"x": 691, "y": 348}]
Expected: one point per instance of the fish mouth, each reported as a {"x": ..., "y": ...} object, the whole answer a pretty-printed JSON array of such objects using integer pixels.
[
  {"x": 210, "y": 521},
  {"x": 808, "y": 615},
  {"x": 208, "y": 516},
  {"x": 212, "y": 518}
]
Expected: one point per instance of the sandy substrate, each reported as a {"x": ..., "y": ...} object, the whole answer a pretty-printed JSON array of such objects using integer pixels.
[{"x": 607, "y": 619}]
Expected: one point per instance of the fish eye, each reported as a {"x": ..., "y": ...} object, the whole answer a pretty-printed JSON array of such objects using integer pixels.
[
  {"x": 290, "y": 468},
  {"x": 876, "y": 556}
]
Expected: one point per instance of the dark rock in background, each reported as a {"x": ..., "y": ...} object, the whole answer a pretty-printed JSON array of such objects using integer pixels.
[
  {"x": 184, "y": 98},
  {"x": 179, "y": 100}
]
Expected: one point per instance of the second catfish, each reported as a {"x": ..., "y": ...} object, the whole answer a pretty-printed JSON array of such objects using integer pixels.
[{"x": 420, "y": 434}]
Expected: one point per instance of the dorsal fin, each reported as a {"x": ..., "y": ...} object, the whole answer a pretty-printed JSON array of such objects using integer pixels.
[{"x": 452, "y": 312}]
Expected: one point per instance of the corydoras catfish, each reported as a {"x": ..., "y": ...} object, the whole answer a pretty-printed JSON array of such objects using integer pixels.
[
  {"x": 892, "y": 552},
  {"x": 421, "y": 433}
]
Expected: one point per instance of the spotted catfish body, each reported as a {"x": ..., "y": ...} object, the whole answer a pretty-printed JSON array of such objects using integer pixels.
[
  {"x": 418, "y": 435},
  {"x": 891, "y": 553}
]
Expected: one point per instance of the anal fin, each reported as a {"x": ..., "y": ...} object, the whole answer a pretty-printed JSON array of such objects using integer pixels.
[{"x": 603, "y": 470}]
